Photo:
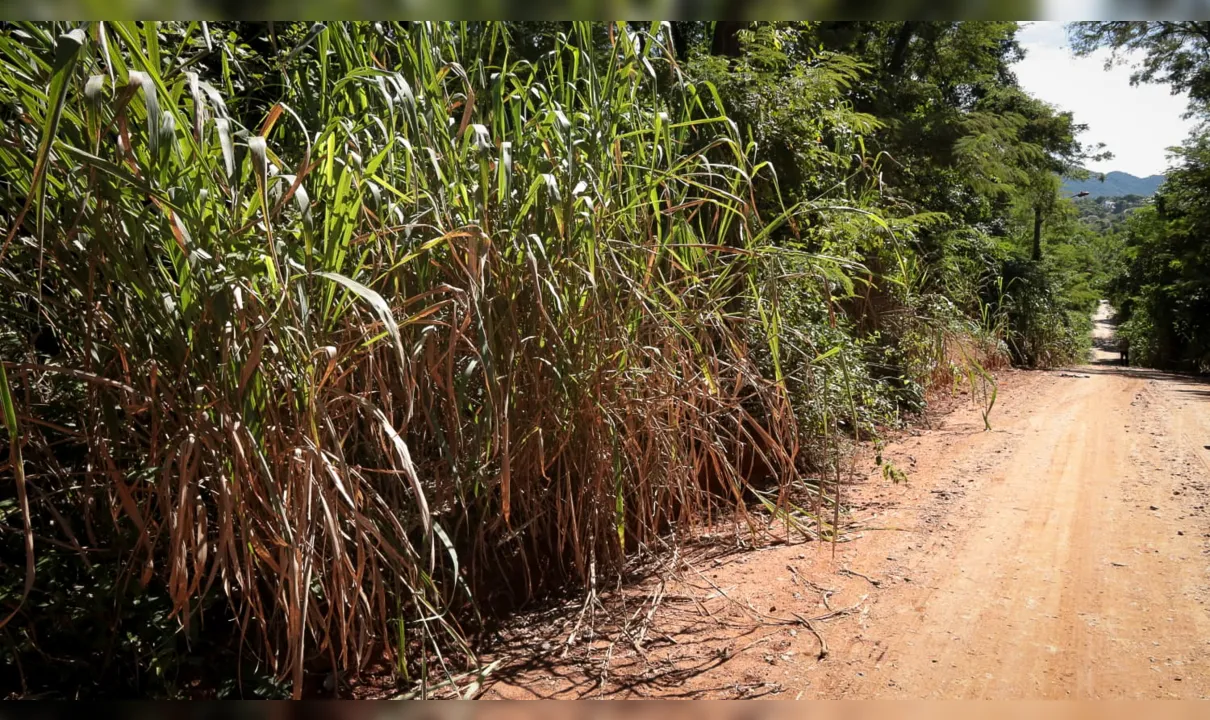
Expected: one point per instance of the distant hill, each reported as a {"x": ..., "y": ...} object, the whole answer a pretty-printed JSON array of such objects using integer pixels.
[{"x": 1117, "y": 184}]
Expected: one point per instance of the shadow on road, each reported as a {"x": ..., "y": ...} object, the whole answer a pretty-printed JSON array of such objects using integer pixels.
[
  {"x": 1198, "y": 394},
  {"x": 1114, "y": 368},
  {"x": 1195, "y": 386}
]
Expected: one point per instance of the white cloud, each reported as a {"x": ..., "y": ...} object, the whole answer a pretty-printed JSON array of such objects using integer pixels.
[{"x": 1137, "y": 124}]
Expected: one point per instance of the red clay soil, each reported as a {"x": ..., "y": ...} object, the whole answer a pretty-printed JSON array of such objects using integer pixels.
[{"x": 1063, "y": 554}]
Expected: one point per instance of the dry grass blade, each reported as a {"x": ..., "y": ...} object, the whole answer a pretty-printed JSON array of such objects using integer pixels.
[{"x": 17, "y": 463}]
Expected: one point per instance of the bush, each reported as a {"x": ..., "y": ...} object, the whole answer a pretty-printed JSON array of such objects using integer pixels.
[{"x": 1039, "y": 331}]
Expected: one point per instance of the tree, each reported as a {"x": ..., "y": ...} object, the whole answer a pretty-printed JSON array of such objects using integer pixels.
[
  {"x": 1050, "y": 149},
  {"x": 1163, "y": 291},
  {"x": 1164, "y": 288},
  {"x": 924, "y": 83},
  {"x": 965, "y": 139},
  {"x": 726, "y": 38},
  {"x": 1176, "y": 53}
]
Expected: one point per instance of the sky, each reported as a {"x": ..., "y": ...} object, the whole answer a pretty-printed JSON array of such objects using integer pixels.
[{"x": 1137, "y": 124}]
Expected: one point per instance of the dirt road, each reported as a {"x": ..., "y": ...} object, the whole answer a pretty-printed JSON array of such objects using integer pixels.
[
  {"x": 1061, "y": 555},
  {"x": 1081, "y": 568}
]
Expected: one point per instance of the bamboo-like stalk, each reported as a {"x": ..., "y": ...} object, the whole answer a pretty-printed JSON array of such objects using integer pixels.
[{"x": 436, "y": 310}]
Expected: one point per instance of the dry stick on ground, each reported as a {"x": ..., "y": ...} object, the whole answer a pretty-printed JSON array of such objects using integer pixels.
[
  {"x": 728, "y": 653},
  {"x": 591, "y": 597},
  {"x": 624, "y": 630},
  {"x": 867, "y": 578},
  {"x": 824, "y": 593},
  {"x": 655, "y": 604},
  {"x": 763, "y": 619},
  {"x": 702, "y": 609},
  {"x": 841, "y": 611},
  {"x": 823, "y": 644},
  {"x": 636, "y": 639}
]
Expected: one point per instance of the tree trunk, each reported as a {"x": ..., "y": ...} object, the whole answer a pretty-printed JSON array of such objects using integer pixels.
[
  {"x": 899, "y": 54},
  {"x": 726, "y": 38},
  {"x": 1037, "y": 254},
  {"x": 680, "y": 40}
]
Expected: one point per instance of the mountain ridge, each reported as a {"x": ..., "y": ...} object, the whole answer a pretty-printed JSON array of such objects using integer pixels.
[{"x": 1116, "y": 184}]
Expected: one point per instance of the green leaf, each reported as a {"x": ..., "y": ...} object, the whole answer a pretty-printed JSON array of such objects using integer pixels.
[
  {"x": 379, "y": 305},
  {"x": 67, "y": 50},
  {"x": 139, "y": 79}
]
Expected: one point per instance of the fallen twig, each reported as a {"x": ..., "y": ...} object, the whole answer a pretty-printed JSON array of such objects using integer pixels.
[
  {"x": 571, "y": 638},
  {"x": 824, "y": 593},
  {"x": 823, "y": 644},
  {"x": 655, "y": 604},
  {"x": 841, "y": 611},
  {"x": 867, "y": 578},
  {"x": 480, "y": 675},
  {"x": 728, "y": 653}
]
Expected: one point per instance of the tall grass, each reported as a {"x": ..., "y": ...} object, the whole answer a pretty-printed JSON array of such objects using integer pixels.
[{"x": 430, "y": 321}]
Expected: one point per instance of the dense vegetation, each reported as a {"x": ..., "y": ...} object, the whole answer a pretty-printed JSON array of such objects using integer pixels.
[
  {"x": 1162, "y": 287},
  {"x": 323, "y": 343},
  {"x": 1162, "y": 280}
]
